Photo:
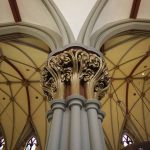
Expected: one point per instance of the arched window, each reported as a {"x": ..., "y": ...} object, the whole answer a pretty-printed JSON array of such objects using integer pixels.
[
  {"x": 2, "y": 142},
  {"x": 126, "y": 140},
  {"x": 31, "y": 144}
]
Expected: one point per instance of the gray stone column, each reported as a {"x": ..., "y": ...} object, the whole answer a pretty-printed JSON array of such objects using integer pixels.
[
  {"x": 49, "y": 116},
  {"x": 71, "y": 72},
  {"x": 85, "y": 131},
  {"x": 64, "y": 142},
  {"x": 75, "y": 103},
  {"x": 58, "y": 106},
  {"x": 92, "y": 107},
  {"x": 101, "y": 116}
]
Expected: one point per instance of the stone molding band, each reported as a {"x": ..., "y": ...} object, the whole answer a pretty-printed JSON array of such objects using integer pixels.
[
  {"x": 58, "y": 104},
  {"x": 76, "y": 100},
  {"x": 101, "y": 115}
]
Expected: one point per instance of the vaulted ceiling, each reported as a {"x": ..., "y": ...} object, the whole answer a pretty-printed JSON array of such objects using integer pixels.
[
  {"x": 127, "y": 103},
  {"x": 23, "y": 107},
  {"x": 31, "y": 29}
]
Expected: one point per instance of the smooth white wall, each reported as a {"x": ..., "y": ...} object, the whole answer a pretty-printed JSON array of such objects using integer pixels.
[
  {"x": 5, "y": 12},
  {"x": 75, "y": 12}
]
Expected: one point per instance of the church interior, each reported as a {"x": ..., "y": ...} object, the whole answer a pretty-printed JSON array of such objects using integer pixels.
[{"x": 30, "y": 30}]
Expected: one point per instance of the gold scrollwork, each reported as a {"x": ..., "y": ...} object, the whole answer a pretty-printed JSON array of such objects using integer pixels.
[
  {"x": 62, "y": 64},
  {"x": 48, "y": 83},
  {"x": 74, "y": 66},
  {"x": 89, "y": 64},
  {"x": 102, "y": 83}
]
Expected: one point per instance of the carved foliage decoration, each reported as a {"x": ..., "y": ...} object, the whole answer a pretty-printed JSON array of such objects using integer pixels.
[
  {"x": 102, "y": 83},
  {"x": 62, "y": 65},
  {"x": 48, "y": 83},
  {"x": 87, "y": 65}
]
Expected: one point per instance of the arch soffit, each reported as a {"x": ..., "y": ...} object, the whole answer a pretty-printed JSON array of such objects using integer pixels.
[
  {"x": 111, "y": 29},
  {"x": 51, "y": 38},
  {"x": 66, "y": 32},
  {"x": 87, "y": 28},
  {"x": 100, "y": 36}
]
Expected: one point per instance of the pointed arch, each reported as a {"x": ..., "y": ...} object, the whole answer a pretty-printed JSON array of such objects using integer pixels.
[
  {"x": 126, "y": 139},
  {"x": 62, "y": 24},
  {"x": 3, "y": 142},
  {"x": 133, "y": 122},
  {"x": 28, "y": 132},
  {"x": 31, "y": 143},
  {"x": 121, "y": 132},
  {"x": 130, "y": 126},
  {"x": 127, "y": 128},
  {"x": 86, "y": 30},
  {"x": 98, "y": 38},
  {"x": 50, "y": 37},
  {"x": 26, "y": 106}
]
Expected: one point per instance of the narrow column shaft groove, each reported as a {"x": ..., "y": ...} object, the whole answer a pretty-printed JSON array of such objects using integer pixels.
[
  {"x": 75, "y": 128},
  {"x": 96, "y": 142},
  {"x": 56, "y": 126}
]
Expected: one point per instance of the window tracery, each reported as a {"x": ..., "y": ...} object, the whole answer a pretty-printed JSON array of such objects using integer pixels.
[
  {"x": 2, "y": 142},
  {"x": 126, "y": 140},
  {"x": 31, "y": 144}
]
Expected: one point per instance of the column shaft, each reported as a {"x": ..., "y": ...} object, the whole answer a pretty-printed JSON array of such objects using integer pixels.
[
  {"x": 64, "y": 142},
  {"x": 102, "y": 135},
  {"x": 56, "y": 126},
  {"x": 100, "y": 118},
  {"x": 96, "y": 144},
  {"x": 85, "y": 131},
  {"x": 92, "y": 107},
  {"x": 55, "y": 132},
  {"x": 75, "y": 103},
  {"x": 75, "y": 133}
]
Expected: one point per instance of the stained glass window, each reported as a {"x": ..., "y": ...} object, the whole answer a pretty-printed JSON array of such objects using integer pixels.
[
  {"x": 126, "y": 140},
  {"x": 31, "y": 144},
  {"x": 2, "y": 142}
]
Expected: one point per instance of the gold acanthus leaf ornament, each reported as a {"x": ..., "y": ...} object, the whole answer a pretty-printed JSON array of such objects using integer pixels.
[
  {"x": 62, "y": 65},
  {"x": 102, "y": 83},
  {"x": 48, "y": 83},
  {"x": 88, "y": 67},
  {"x": 89, "y": 64}
]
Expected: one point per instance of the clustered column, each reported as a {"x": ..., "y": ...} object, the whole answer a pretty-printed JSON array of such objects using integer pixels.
[
  {"x": 58, "y": 108},
  {"x": 75, "y": 80}
]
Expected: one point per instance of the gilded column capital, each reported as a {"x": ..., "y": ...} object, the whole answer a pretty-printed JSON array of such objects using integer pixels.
[{"x": 83, "y": 71}]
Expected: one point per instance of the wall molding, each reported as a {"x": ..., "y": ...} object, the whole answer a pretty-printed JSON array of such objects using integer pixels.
[
  {"x": 86, "y": 30},
  {"x": 111, "y": 29},
  {"x": 50, "y": 37}
]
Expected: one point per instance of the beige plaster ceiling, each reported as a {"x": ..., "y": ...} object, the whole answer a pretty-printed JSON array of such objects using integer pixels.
[
  {"x": 23, "y": 106},
  {"x": 127, "y": 103}
]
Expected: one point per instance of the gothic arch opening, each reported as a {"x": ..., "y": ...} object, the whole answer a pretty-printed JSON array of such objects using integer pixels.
[
  {"x": 126, "y": 103},
  {"x": 21, "y": 98},
  {"x": 31, "y": 144}
]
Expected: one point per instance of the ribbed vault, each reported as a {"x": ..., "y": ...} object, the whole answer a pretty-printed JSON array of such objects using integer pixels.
[
  {"x": 23, "y": 107},
  {"x": 22, "y": 104},
  {"x": 127, "y": 102}
]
